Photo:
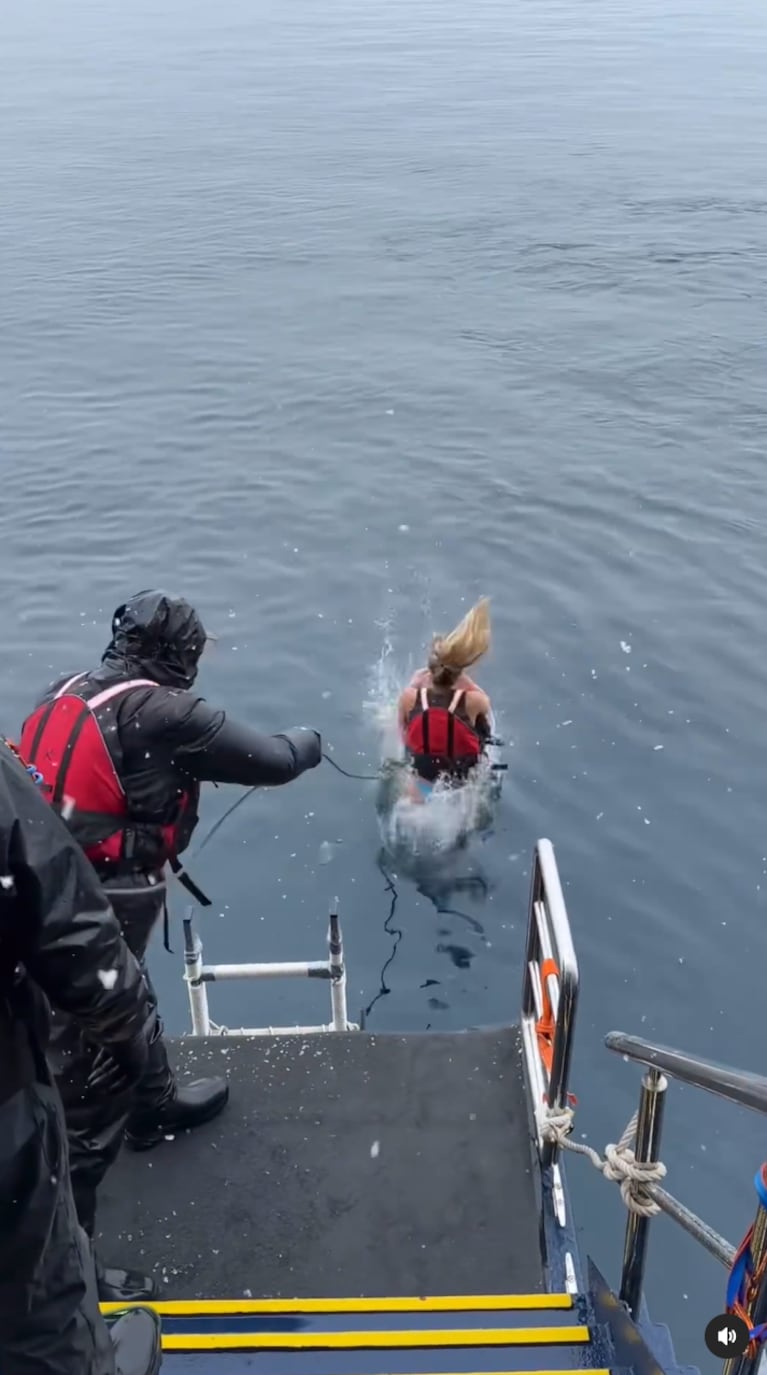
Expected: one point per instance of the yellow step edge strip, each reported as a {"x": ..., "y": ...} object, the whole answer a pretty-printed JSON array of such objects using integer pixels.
[
  {"x": 368, "y": 1341},
  {"x": 536, "y": 1372},
  {"x": 461, "y": 1303}
]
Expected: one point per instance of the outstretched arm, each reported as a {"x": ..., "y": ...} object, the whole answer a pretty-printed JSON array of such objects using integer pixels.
[
  {"x": 237, "y": 754},
  {"x": 210, "y": 747}
]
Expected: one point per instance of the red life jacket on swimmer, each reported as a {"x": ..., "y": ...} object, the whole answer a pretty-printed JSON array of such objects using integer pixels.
[
  {"x": 441, "y": 739},
  {"x": 67, "y": 741}
]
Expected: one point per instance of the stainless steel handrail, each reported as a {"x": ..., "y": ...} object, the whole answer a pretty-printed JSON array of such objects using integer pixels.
[
  {"x": 737, "y": 1086},
  {"x": 548, "y": 938}
]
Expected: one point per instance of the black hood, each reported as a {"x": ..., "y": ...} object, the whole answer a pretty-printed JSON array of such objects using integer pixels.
[{"x": 158, "y": 637}]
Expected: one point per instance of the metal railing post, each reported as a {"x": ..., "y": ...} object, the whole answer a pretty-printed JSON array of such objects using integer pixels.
[
  {"x": 649, "y": 1124},
  {"x": 337, "y": 972},
  {"x": 196, "y": 988}
]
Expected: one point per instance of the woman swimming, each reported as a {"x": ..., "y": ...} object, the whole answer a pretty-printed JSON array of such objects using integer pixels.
[{"x": 444, "y": 716}]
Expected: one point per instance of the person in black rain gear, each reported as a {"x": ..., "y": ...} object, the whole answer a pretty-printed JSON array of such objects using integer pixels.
[
  {"x": 59, "y": 941},
  {"x": 123, "y": 750}
]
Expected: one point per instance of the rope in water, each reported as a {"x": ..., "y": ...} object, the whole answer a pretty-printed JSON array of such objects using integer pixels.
[{"x": 366, "y": 777}]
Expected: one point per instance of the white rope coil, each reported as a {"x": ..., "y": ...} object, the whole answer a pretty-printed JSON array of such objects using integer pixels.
[{"x": 619, "y": 1164}]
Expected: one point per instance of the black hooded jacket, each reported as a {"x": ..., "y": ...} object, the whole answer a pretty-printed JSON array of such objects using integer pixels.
[
  {"x": 57, "y": 934},
  {"x": 168, "y": 740}
]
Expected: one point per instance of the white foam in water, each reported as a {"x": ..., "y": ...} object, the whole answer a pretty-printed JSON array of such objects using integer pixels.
[
  {"x": 449, "y": 815},
  {"x": 386, "y": 683}
]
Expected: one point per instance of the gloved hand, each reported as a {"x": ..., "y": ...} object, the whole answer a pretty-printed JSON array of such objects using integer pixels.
[
  {"x": 118, "y": 1067},
  {"x": 307, "y": 744}
]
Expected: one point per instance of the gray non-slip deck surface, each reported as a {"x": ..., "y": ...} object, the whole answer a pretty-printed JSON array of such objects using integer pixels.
[{"x": 345, "y": 1165}]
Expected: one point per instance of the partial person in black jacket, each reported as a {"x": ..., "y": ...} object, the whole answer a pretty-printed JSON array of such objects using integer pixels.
[
  {"x": 60, "y": 941},
  {"x": 123, "y": 750}
]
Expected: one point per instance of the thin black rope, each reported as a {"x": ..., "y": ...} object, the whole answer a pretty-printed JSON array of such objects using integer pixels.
[
  {"x": 366, "y": 777},
  {"x": 390, "y": 931},
  {"x": 218, "y": 824}
]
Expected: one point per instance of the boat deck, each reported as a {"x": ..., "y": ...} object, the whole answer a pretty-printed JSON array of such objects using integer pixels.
[{"x": 346, "y": 1165}]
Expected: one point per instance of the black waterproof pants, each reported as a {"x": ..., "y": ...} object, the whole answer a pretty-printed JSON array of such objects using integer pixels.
[
  {"x": 50, "y": 1322},
  {"x": 96, "y": 1124}
]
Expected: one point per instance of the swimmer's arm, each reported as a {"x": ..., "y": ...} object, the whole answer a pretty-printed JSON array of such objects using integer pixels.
[{"x": 480, "y": 711}]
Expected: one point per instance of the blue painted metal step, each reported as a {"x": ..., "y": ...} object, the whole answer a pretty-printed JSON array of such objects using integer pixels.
[
  {"x": 335, "y": 1363},
  {"x": 443, "y": 1335}
]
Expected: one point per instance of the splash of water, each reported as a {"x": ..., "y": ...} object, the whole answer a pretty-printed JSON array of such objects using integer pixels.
[
  {"x": 430, "y": 829},
  {"x": 410, "y": 827},
  {"x": 386, "y": 680}
]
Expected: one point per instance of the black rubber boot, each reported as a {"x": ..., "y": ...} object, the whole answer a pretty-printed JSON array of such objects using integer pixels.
[
  {"x": 136, "y": 1341},
  {"x": 122, "y": 1286},
  {"x": 162, "y": 1107},
  {"x": 184, "y": 1108}
]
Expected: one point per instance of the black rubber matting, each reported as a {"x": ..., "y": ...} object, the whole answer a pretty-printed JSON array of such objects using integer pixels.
[{"x": 345, "y": 1165}]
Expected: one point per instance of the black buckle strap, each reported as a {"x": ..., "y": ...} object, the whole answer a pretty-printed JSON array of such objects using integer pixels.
[
  {"x": 191, "y": 887},
  {"x": 189, "y": 884}
]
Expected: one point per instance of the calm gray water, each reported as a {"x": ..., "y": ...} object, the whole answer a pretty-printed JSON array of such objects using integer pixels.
[{"x": 333, "y": 316}]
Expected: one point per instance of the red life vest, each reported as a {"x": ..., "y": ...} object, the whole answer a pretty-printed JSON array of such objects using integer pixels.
[
  {"x": 439, "y": 740},
  {"x": 64, "y": 740}
]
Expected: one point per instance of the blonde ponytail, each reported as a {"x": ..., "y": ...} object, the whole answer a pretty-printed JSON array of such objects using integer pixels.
[{"x": 464, "y": 646}]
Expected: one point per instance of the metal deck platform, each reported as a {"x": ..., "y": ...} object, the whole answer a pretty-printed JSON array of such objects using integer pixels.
[
  {"x": 388, "y": 1205},
  {"x": 346, "y": 1164}
]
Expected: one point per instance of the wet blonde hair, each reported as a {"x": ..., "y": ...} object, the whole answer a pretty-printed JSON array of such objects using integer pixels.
[{"x": 451, "y": 654}]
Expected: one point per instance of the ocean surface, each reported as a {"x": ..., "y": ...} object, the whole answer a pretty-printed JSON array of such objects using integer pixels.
[{"x": 332, "y": 316}]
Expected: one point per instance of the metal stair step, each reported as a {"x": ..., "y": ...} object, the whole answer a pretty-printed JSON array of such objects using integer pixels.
[
  {"x": 361, "y": 1363},
  {"x": 324, "y": 1338},
  {"x": 375, "y": 1336},
  {"x": 439, "y": 1303}
]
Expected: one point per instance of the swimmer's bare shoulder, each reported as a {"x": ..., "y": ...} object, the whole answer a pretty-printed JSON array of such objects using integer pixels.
[{"x": 422, "y": 678}]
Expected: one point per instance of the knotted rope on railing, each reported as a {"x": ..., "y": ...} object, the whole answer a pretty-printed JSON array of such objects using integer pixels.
[{"x": 619, "y": 1163}]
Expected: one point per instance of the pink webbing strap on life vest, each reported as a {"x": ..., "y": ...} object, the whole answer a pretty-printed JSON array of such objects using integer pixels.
[
  {"x": 101, "y": 698},
  {"x": 455, "y": 702},
  {"x": 89, "y": 707},
  {"x": 457, "y": 697}
]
